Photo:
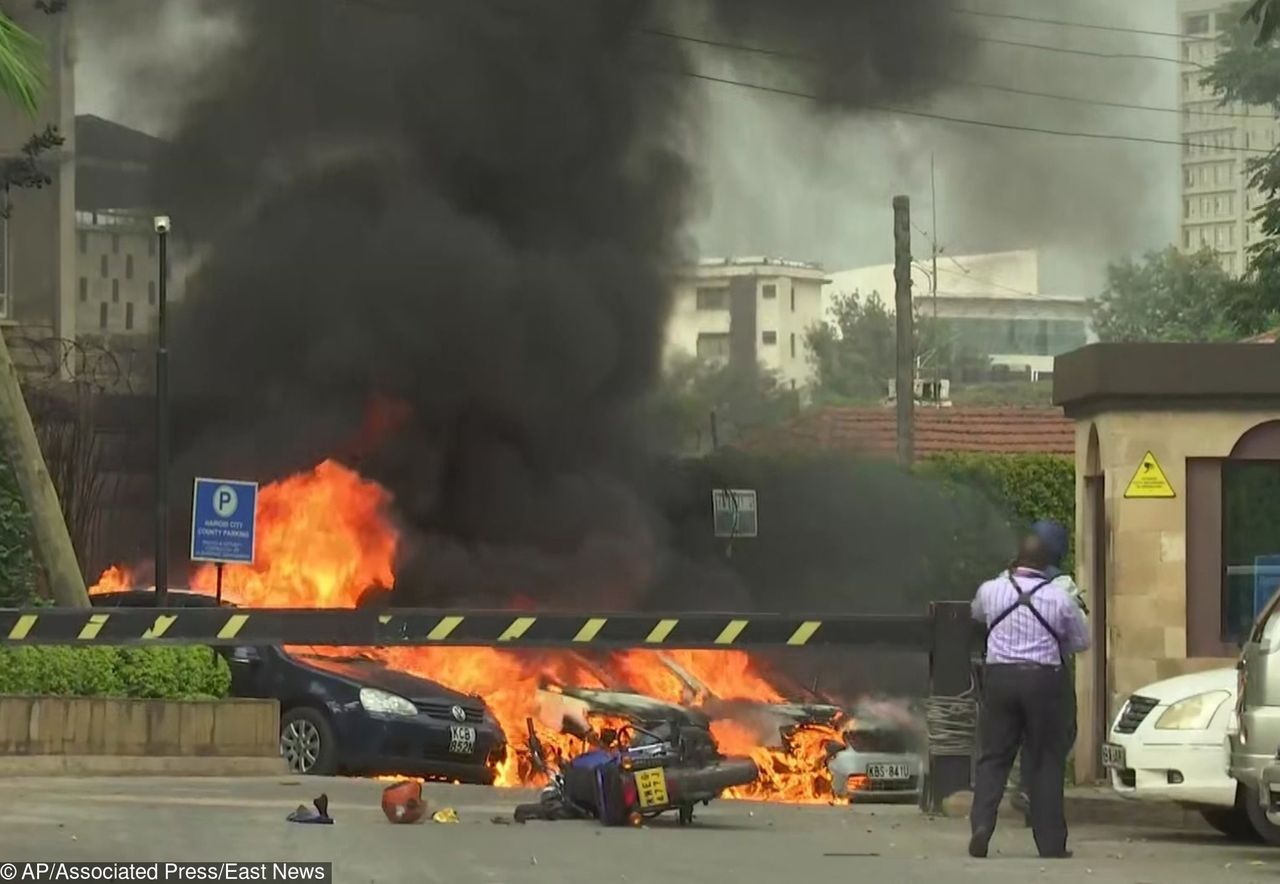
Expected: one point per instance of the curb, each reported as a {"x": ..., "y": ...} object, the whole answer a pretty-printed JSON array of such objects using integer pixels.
[
  {"x": 141, "y": 765},
  {"x": 1099, "y": 808}
]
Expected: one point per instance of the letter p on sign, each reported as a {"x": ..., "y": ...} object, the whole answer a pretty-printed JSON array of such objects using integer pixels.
[{"x": 225, "y": 501}]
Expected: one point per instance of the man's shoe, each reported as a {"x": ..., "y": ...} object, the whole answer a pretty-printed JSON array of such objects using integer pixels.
[
  {"x": 978, "y": 844},
  {"x": 1066, "y": 854}
]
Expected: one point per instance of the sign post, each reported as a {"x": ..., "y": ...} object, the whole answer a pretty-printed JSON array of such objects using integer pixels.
[{"x": 224, "y": 517}]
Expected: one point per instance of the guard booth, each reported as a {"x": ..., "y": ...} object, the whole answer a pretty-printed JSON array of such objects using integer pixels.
[{"x": 1177, "y": 458}]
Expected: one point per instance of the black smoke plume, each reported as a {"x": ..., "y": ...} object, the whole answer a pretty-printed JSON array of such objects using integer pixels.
[{"x": 470, "y": 210}]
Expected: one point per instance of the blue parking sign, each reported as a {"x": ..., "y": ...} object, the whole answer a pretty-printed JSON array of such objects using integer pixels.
[{"x": 224, "y": 515}]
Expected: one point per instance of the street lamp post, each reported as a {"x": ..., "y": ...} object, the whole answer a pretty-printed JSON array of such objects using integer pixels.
[{"x": 162, "y": 226}]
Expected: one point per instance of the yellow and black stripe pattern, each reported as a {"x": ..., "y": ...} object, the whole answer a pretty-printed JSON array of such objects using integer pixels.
[{"x": 407, "y": 626}]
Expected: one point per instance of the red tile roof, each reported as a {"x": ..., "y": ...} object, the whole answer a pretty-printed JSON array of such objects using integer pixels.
[{"x": 1006, "y": 430}]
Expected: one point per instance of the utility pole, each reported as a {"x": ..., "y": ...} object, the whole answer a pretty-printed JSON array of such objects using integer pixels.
[
  {"x": 54, "y": 550},
  {"x": 933, "y": 291},
  {"x": 906, "y": 345},
  {"x": 162, "y": 419}
]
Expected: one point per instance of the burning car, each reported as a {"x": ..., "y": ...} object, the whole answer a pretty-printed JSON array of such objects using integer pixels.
[
  {"x": 352, "y": 714},
  {"x": 877, "y": 757}
]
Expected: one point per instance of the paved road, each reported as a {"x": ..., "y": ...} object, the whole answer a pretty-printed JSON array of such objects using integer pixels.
[{"x": 243, "y": 819}]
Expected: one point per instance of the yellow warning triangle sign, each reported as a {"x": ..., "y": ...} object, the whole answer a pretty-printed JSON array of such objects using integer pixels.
[{"x": 1149, "y": 481}]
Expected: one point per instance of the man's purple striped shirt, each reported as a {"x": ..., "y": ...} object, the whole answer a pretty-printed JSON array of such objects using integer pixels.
[{"x": 1020, "y": 637}]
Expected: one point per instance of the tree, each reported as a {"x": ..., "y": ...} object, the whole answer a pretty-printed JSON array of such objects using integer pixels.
[
  {"x": 1170, "y": 296},
  {"x": 1248, "y": 71},
  {"x": 854, "y": 353},
  {"x": 21, "y": 74},
  {"x": 1266, "y": 15},
  {"x": 741, "y": 398}
]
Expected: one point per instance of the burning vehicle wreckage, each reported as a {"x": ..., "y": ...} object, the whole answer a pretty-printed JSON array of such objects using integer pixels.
[{"x": 640, "y": 757}]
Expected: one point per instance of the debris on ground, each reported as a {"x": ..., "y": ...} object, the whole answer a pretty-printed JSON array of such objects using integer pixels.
[
  {"x": 318, "y": 813},
  {"x": 445, "y": 815},
  {"x": 501, "y": 821},
  {"x": 402, "y": 802}
]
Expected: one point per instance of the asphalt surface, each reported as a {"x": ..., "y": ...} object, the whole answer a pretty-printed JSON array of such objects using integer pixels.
[{"x": 244, "y": 819}]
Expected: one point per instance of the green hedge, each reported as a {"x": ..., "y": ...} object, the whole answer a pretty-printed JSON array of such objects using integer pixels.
[
  {"x": 178, "y": 673},
  {"x": 1026, "y": 487}
]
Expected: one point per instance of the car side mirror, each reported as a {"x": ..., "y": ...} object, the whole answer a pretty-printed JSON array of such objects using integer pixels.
[{"x": 245, "y": 655}]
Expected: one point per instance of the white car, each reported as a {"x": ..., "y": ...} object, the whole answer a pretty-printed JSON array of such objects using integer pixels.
[
  {"x": 875, "y": 761},
  {"x": 1169, "y": 743}
]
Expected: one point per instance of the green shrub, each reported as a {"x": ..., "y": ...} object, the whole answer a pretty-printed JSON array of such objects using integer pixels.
[
  {"x": 17, "y": 563},
  {"x": 1026, "y": 487},
  {"x": 156, "y": 673}
]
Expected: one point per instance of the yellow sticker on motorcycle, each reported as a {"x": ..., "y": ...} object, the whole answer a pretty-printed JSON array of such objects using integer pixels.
[{"x": 651, "y": 787}]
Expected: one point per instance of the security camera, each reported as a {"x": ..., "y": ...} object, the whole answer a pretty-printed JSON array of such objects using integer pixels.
[{"x": 162, "y": 224}]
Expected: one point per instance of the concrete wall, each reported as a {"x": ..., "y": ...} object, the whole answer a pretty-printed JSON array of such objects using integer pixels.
[
  {"x": 1146, "y": 591},
  {"x": 244, "y": 734}
]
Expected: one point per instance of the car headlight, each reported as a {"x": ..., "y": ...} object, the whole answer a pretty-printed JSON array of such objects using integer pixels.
[
  {"x": 374, "y": 700},
  {"x": 1193, "y": 713}
]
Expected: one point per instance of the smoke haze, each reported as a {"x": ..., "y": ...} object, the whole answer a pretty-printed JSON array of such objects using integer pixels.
[{"x": 466, "y": 213}]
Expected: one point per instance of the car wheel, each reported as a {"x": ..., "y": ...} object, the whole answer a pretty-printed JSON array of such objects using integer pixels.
[
  {"x": 1230, "y": 821},
  {"x": 307, "y": 742},
  {"x": 1269, "y": 833}
]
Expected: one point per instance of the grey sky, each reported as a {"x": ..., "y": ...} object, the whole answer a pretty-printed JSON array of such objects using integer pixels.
[{"x": 778, "y": 178}]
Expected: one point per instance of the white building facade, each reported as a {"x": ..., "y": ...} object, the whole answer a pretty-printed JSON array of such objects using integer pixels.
[
  {"x": 992, "y": 305},
  {"x": 1217, "y": 203},
  {"x": 748, "y": 309}
]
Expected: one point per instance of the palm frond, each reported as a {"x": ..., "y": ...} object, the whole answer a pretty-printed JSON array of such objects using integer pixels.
[{"x": 22, "y": 76}]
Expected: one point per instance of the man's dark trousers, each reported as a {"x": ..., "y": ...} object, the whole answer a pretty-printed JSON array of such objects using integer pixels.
[{"x": 1024, "y": 705}]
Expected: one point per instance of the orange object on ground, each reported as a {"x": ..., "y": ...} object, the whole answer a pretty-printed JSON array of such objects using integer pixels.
[{"x": 403, "y": 803}]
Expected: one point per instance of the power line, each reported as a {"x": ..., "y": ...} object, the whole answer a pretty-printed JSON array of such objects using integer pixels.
[
  {"x": 1092, "y": 53},
  {"x": 784, "y": 54},
  {"x": 946, "y": 118},
  {"x": 995, "y": 87},
  {"x": 1066, "y": 24},
  {"x": 990, "y": 124}
]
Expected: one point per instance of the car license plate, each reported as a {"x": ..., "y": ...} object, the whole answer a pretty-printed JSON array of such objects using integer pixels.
[
  {"x": 462, "y": 740},
  {"x": 888, "y": 771},
  {"x": 1113, "y": 755},
  {"x": 651, "y": 787}
]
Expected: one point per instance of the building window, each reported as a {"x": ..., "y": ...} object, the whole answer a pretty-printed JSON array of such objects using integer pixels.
[
  {"x": 769, "y": 337},
  {"x": 793, "y": 297},
  {"x": 793, "y": 345},
  {"x": 84, "y": 289},
  {"x": 1196, "y": 24},
  {"x": 102, "y": 315},
  {"x": 1186, "y": 239},
  {"x": 713, "y": 299},
  {"x": 115, "y": 243},
  {"x": 82, "y": 239},
  {"x": 769, "y": 292},
  {"x": 713, "y": 346},
  {"x": 1250, "y": 542},
  {"x": 1186, "y": 208},
  {"x": 151, "y": 293},
  {"x": 102, "y": 266},
  {"x": 128, "y": 316},
  {"x": 128, "y": 266},
  {"x": 115, "y": 291}
]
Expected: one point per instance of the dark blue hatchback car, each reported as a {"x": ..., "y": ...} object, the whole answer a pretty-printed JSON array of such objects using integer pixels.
[{"x": 355, "y": 715}]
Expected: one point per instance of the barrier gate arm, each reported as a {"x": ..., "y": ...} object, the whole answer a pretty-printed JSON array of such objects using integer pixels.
[{"x": 420, "y": 626}]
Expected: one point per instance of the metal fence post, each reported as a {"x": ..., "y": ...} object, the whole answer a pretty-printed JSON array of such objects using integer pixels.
[{"x": 952, "y": 703}]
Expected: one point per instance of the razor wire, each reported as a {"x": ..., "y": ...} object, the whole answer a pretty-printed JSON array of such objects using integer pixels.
[{"x": 96, "y": 364}]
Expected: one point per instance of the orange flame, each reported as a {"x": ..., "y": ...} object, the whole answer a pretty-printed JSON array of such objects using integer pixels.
[{"x": 325, "y": 539}]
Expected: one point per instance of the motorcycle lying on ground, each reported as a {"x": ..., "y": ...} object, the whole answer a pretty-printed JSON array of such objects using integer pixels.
[{"x": 636, "y": 773}]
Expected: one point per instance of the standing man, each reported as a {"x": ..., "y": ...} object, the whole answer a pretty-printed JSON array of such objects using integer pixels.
[
  {"x": 1032, "y": 627},
  {"x": 1057, "y": 542}
]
